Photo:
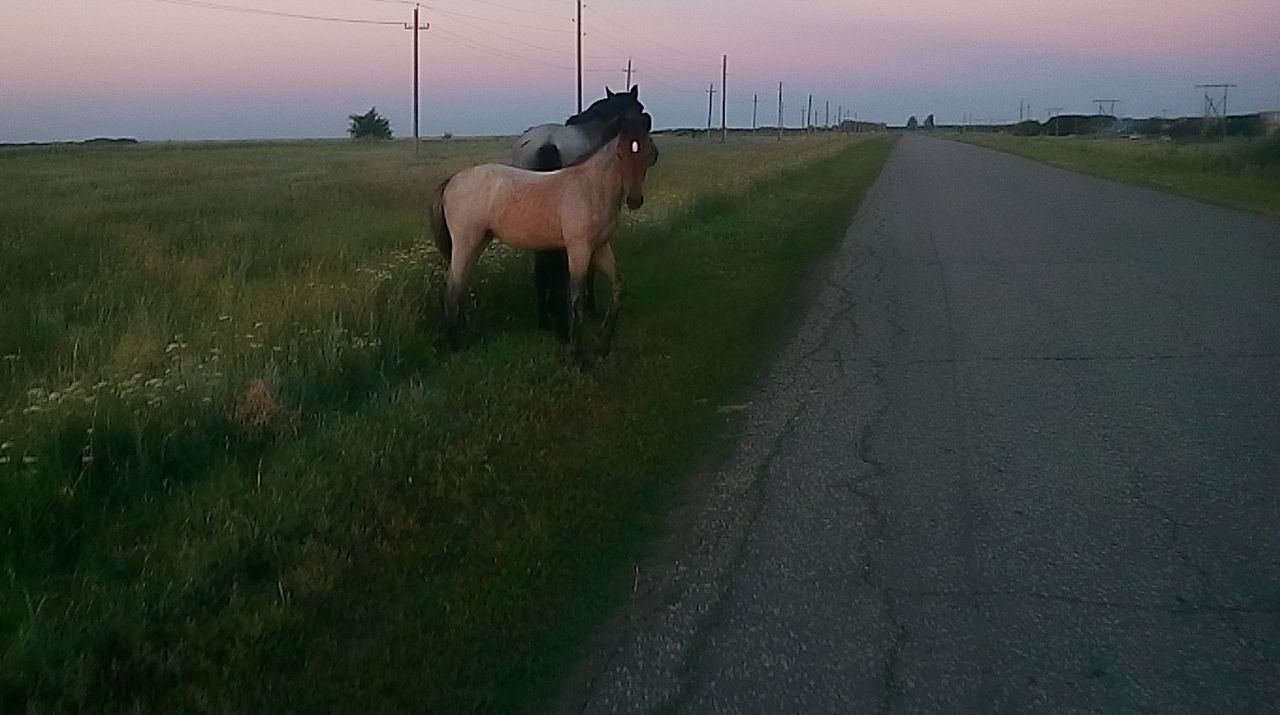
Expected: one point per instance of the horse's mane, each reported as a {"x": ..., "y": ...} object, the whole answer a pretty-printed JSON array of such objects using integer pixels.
[{"x": 611, "y": 107}]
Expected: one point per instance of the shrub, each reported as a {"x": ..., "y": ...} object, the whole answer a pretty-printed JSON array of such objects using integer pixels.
[{"x": 369, "y": 125}]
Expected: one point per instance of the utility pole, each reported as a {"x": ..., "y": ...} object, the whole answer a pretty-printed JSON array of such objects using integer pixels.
[
  {"x": 755, "y": 107},
  {"x": 579, "y": 56},
  {"x": 780, "y": 118},
  {"x": 711, "y": 95},
  {"x": 826, "y": 117},
  {"x": 627, "y": 86},
  {"x": 415, "y": 27},
  {"x": 724, "y": 96},
  {"x": 1111, "y": 105},
  {"x": 840, "y": 116},
  {"x": 1210, "y": 107},
  {"x": 808, "y": 116}
]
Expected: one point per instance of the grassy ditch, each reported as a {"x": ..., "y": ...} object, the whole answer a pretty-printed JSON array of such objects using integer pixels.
[
  {"x": 240, "y": 474},
  {"x": 1239, "y": 173}
]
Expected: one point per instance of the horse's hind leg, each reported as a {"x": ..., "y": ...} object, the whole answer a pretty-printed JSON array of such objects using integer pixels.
[
  {"x": 467, "y": 246},
  {"x": 551, "y": 281},
  {"x": 605, "y": 262}
]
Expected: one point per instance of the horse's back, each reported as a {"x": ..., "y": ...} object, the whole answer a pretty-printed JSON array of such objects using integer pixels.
[
  {"x": 525, "y": 147},
  {"x": 529, "y": 149}
]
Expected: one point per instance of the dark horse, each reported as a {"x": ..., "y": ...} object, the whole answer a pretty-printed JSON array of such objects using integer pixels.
[{"x": 549, "y": 147}]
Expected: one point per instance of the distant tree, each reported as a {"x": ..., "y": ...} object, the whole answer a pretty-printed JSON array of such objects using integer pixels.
[
  {"x": 369, "y": 125},
  {"x": 912, "y": 124},
  {"x": 1027, "y": 128},
  {"x": 928, "y": 122}
]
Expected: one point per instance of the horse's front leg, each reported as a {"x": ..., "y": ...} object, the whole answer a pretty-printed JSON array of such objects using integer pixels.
[
  {"x": 579, "y": 263},
  {"x": 605, "y": 263}
]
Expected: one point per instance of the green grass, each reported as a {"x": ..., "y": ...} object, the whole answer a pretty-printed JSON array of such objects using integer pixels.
[
  {"x": 1239, "y": 173},
  {"x": 387, "y": 526}
]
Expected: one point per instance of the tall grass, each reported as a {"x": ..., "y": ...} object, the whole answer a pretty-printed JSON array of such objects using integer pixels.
[
  {"x": 1238, "y": 172},
  {"x": 238, "y": 473}
]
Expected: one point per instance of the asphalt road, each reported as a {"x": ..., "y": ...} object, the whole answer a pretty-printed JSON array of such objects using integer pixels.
[{"x": 1021, "y": 454}]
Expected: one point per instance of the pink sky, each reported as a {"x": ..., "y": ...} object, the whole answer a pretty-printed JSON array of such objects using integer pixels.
[{"x": 72, "y": 69}]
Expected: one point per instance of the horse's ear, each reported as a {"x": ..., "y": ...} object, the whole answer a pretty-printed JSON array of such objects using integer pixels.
[
  {"x": 608, "y": 92},
  {"x": 635, "y": 91}
]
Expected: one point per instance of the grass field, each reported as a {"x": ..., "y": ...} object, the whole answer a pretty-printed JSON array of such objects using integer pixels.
[
  {"x": 1240, "y": 173},
  {"x": 237, "y": 472}
]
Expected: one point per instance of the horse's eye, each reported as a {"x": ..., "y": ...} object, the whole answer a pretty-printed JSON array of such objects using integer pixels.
[{"x": 635, "y": 147}]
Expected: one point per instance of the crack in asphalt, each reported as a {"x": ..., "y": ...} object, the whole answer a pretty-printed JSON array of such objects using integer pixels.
[
  {"x": 1185, "y": 609},
  {"x": 715, "y": 613},
  {"x": 703, "y": 580},
  {"x": 818, "y": 568}
]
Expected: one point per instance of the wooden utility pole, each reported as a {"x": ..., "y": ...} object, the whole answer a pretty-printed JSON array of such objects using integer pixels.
[
  {"x": 711, "y": 96},
  {"x": 579, "y": 56},
  {"x": 1211, "y": 106},
  {"x": 415, "y": 27},
  {"x": 755, "y": 108},
  {"x": 839, "y": 116},
  {"x": 627, "y": 86},
  {"x": 826, "y": 116},
  {"x": 780, "y": 118},
  {"x": 724, "y": 95},
  {"x": 808, "y": 116}
]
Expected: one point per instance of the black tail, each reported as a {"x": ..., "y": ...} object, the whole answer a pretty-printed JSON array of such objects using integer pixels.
[
  {"x": 444, "y": 241},
  {"x": 548, "y": 158}
]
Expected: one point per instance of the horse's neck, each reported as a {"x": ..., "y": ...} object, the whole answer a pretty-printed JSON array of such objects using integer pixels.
[
  {"x": 604, "y": 172},
  {"x": 594, "y": 131}
]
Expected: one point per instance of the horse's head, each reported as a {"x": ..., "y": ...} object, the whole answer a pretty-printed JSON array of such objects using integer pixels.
[
  {"x": 611, "y": 108},
  {"x": 635, "y": 148}
]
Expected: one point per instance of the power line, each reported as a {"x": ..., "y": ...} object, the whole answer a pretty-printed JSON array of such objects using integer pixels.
[
  {"x": 508, "y": 8},
  {"x": 636, "y": 51},
  {"x": 204, "y": 4},
  {"x": 478, "y": 46},
  {"x": 659, "y": 45},
  {"x": 499, "y": 35},
  {"x": 517, "y": 9},
  {"x": 508, "y": 23}
]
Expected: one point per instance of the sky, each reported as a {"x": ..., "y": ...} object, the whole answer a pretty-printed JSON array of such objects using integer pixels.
[{"x": 185, "y": 69}]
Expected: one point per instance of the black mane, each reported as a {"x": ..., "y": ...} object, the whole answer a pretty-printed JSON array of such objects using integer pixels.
[{"x": 611, "y": 107}]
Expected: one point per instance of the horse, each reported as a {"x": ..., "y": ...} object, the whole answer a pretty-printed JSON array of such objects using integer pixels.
[
  {"x": 548, "y": 147},
  {"x": 574, "y": 210}
]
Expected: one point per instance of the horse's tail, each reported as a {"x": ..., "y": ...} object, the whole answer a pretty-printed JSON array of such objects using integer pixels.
[
  {"x": 548, "y": 158},
  {"x": 444, "y": 241}
]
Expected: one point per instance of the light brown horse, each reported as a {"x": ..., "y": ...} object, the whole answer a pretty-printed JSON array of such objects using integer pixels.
[{"x": 575, "y": 209}]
